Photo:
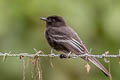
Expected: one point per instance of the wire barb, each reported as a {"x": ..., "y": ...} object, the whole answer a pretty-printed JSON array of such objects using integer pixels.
[{"x": 40, "y": 54}]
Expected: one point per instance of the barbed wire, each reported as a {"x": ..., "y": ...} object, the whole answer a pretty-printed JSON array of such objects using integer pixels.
[
  {"x": 106, "y": 56},
  {"x": 40, "y": 54}
]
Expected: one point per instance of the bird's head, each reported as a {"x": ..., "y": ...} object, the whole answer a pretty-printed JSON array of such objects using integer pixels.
[{"x": 54, "y": 21}]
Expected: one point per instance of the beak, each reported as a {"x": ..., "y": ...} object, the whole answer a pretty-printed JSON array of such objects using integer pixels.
[{"x": 44, "y": 19}]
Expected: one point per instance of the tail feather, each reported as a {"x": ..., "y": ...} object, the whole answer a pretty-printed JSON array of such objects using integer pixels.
[{"x": 99, "y": 65}]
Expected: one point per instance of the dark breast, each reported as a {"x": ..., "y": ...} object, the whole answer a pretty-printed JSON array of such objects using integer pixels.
[{"x": 51, "y": 40}]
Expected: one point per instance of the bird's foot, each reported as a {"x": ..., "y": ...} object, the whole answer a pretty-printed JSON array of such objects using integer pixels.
[
  {"x": 62, "y": 56},
  {"x": 65, "y": 56}
]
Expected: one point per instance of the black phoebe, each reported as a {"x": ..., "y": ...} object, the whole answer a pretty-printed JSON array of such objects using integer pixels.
[{"x": 63, "y": 38}]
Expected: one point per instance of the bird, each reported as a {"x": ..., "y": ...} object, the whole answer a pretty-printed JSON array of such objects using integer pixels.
[{"x": 62, "y": 37}]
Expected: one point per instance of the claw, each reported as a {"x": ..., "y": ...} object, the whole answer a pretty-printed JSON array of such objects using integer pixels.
[{"x": 62, "y": 56}]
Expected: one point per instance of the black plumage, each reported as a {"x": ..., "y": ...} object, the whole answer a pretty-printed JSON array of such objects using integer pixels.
[{"x": 63, "y": 38}]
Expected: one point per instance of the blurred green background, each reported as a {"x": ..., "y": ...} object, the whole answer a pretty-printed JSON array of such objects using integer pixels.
[{"x": 96, "y": 21}]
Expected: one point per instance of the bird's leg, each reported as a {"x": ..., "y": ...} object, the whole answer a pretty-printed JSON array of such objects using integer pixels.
[
  {"x": 65, "y": 56},
  {"x": 62, "y": 56}
]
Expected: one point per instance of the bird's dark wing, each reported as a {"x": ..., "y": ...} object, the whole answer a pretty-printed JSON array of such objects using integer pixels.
[{"x": 69, "y": 39}]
